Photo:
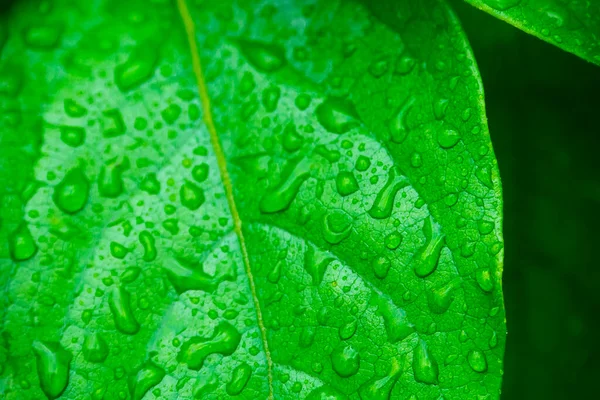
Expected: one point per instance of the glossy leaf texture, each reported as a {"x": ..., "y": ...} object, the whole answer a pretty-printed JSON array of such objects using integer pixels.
[
  {"x": 574, "y": 26},
  {"x": 315, "y": 215}
]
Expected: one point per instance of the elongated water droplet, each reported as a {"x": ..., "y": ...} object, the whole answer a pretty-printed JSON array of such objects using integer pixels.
[
  {"x": 144, "y": 379},
  {"x": 397, "y": 125},
  {"x": 224, "y": 340},
  {"x": 138, "y": 68},
  {"x": 381, "y": 388},
  {"x": 484, "y": 175},
  {"x": 267, "y": 57},
  {"x": 485, "y": 280},
  {"x": 345, "y": 360},
  {"x": 348, "y": 330},
  {"x": 275, "y": 273},
  {"x": 186, "y": 276},
  {"x": 425, "y": 368},
  {"x": 95, "y": 348},
  {"x": 21, "y": 244},
  {"x": 307, "y": 336},
  {"x": 110, "y": 180},
  {"x": 337, "y": 115},
  {"x": 71, "y": 194},
  {"x": 427, "y": 257},
  {"x": 384, "y": 202},
  {"x": 53, "y": 364},
  {"x": 439, "y": 108},
  {"x": 315, "y": 263},
  {"x": 397, "y": 326},
  {"x": 239, "y": 379},
  {"x": 439, "y": 299},
  {"x": 119, "y": 302},
  {"x": 281, "y": 197},
  {"x": 148, "y": 244}
]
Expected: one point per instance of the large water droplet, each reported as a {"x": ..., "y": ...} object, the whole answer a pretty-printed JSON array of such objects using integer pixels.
[
  {"x": 71, "y": 194},
  {"x": 345, "y": 360},
  {"x": 380, "y": 388},
  {"x": 384, "y": 202},
  {"x": 440, "y": 298},
  {"x": 425, "y": 368},
  {"x": 239, "y": 379},
  {"x": 281, "y": 197},
  {"x": 21, "y": 244},
  {"x": 427, "y": 257},
  {"x": 191, "y": 195},
  {"x": 148, "y": 244},
  {"x": 110, "y": 180},
  {"x": 337, "y": 115},
  {"x": 346, "y": 183},
  {"x": 267, "y": 57},
  {"x": 53, "y": 364},
  {"x": 477, "y": 361},
  {"x": 315, "y": 263},
  {"x": 337, "y": 226},
  {"x": 138, "y": 68},
  {"x": 397, "y": 125},
  {"x": 144, "y": 379},
  {"x": 397, "y": 326},
  {"x": 447, "y": 138},
  {"x": 95, "y": 348},
  {"x": 224, "y": 340},
  {"x": 185, "y": 276},
  {"x": 119, "y": 302}
]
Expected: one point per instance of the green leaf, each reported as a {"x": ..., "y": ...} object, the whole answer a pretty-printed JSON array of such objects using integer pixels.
[
  {"x": 574, "y": 26},
  {"x": 251, "y": 199}
]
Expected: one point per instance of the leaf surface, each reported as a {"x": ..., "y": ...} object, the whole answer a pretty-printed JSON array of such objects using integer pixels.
[
  {"x": 248, "y": 199},
  {"x": 574, "y": 26}
]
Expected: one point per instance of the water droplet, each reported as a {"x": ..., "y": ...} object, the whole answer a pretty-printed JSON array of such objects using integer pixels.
[
  {"x": 270, "y": 98},
  {"x": 447, "y": 138},
  {"x": 149, "y": 246},
  {"x": 95, "y": 349},
  {"x": 239, "y": 379},
  {"x": 477, "y": 361},
  {"x": 348, "y": 330},
  {"x": 337, "y": 115},
  {"x": 150, "y": 184},
  {"x": 130, "y": 274},
  {"x": 345, "y": 360},
  {"x": 484, "y": 174},
  {"x": 302, "y": 101},
  {"x": 485, "y": 280},
  {"x": 307, "y": 336},
  {"x": 11, "y": 80},
  {"x": 381, "y": 388},
  {"x": 21, "y": 244},
  {"x": 73, "y": 109},
  {"x": 200, "y": 172},
  {"x": 119, "y": 302},
  {"x": 315, "y": 263},
  {"x": 378, "y": 68},
  {"x": 117, "y": 250},
  {"x": 493, "y": 340},
  {"x": 112, "y": 123},
  {"x": 138, "y": 68},
  {"x": 171, "y": 113},
  {"x": 71, "y": 194},
  {"x": 42, "y": 37},
  {"x": 346, "y": 183},
  {"x": 325, "y": 393},
  {"x": 144, "y": 379},
  {"x": 362, "y": 163},
  {"x": 425, "y": 368},
  {"x": 397, "y": 125},
  {"x": 275, "y": 273},
  {"x": 191, "y": 195},
  {"x": 337, "y": 226},
  {"x": 110, "y": 180},
  {"x": 224, "y": 340},
  {"x": 267, "y": 57},
  {"x": 451, "y": 199},
  {"x": 73, "y": 136},
  {"x": 292, "y": 140},
  {"x": 381, "y": 267},
  {"x": 502, "y": 5},
  {"x": 185, "y": 276},
  {"x": 397, "y": 326},
  {"x": 439, "y": 108},
  {"x": 427, "y": 257},
  {"x": 416, "y": 160},
  {"x": 53, "y": 364},
  {"x": 384, "y": 202},
  {"x": 440, "y": 298},
  {"x": 281, "y": 197},
  {"x": 393, "y": 240},
  {"x": 404, "y": 65},
  {"x": 485, "y": 227}
]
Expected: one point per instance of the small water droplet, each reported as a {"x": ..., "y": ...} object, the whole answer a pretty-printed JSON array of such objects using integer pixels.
[
  {"x": 95, "y": 348},
  {"x": 71, "y": 194},
  {"x": 138, "y": 68},
  {"x": 292, "y": 140},
  {"x": 384, "y": 202},
  {"x": 239, "y": 379},
  {"x": 144, "y": 379},
  {"x": 149, "y": 246},
  {"x": 380, "y": 388},
  {"x": 381, "y": 267},
  {"x": 73, "y": 136},
  {"x": 447, "y": 138},
  {"x": 348, "y": 330},
  {"x": 191, "y": 195},
  {"x": 112, "y": 123},
  {"x": 281, "y": 197},
  {"x": 477, "y": 361},
  {"x": 427, "y": 257},
  {"x": 379, "y": 67},
  {"x": 439, "y": 108},
  {"x": 315, "y": 263},
  {"x": 346, "y": 183},
  {"x": 337, "y": 115},
  {"x": 439, "y": 299},
  {"x": 21, "y": 244},
  {"x": 485, "y": 280},
  {"x": 404, "y": 65},
  {"x": 185, "y": 275},
  {"x": 267, "y": 57}
]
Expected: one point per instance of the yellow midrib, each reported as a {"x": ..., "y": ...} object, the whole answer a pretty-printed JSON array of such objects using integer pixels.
[{"x": 216, "y": 144}]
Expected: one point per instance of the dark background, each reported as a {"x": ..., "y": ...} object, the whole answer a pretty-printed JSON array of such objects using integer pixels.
[{"x": 543, "y": 108}]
